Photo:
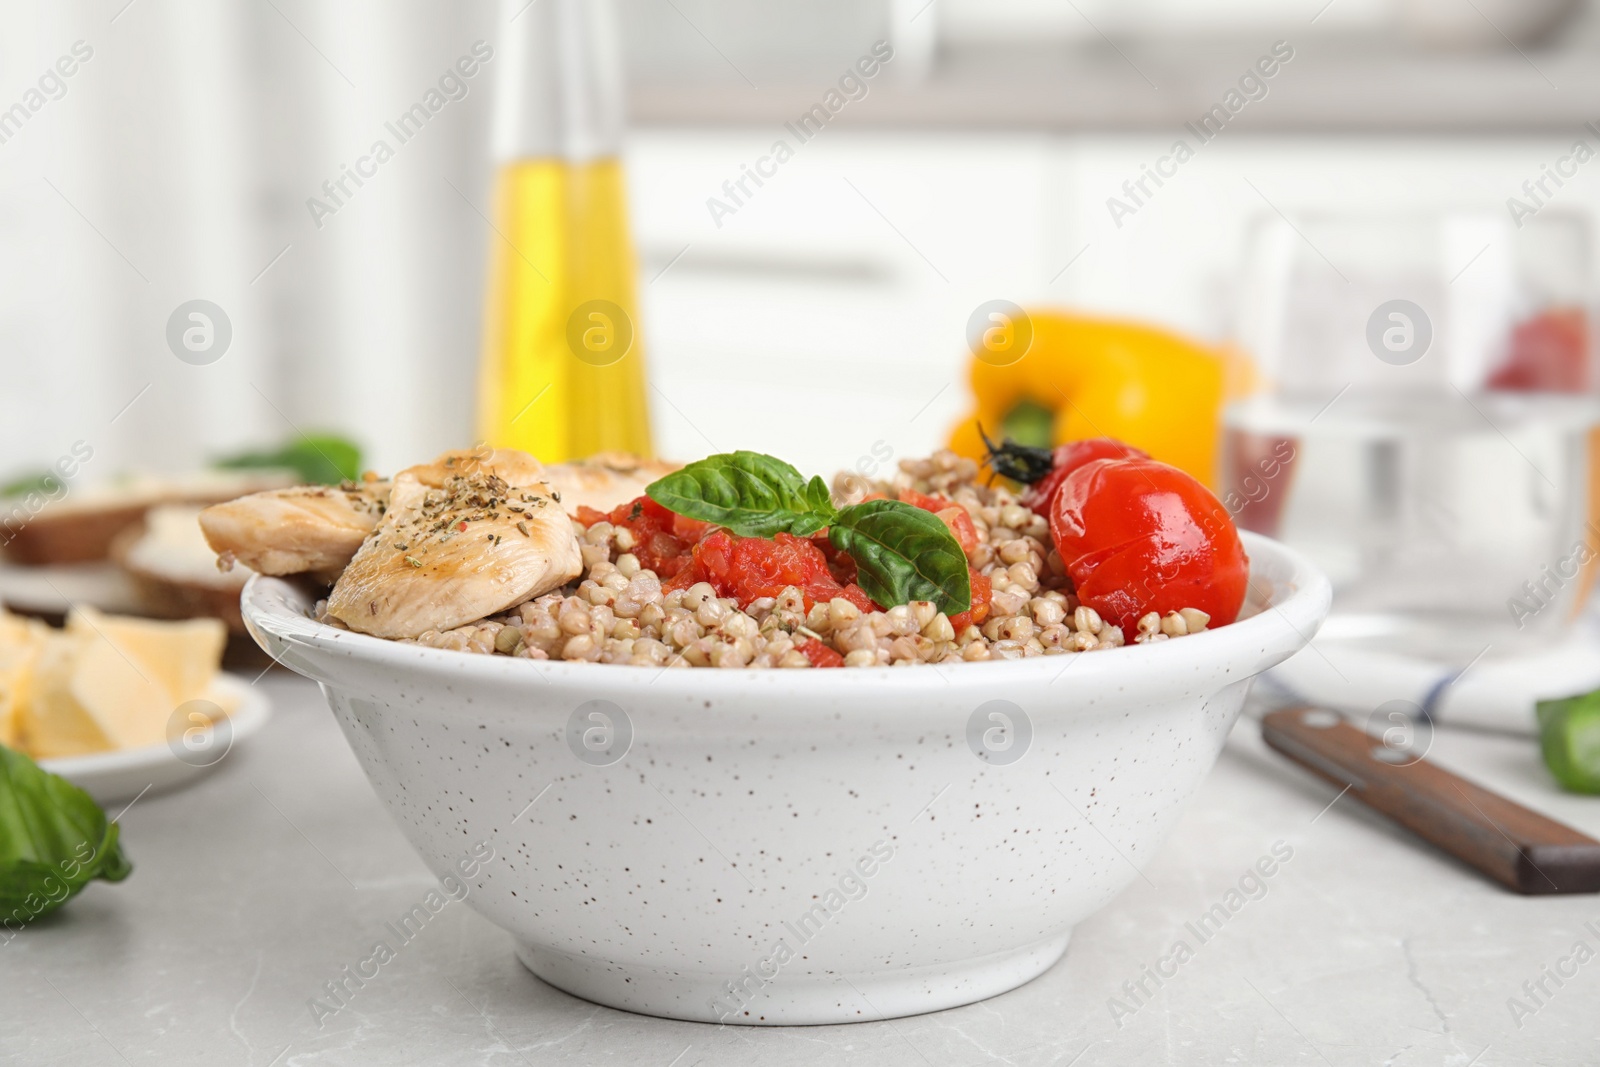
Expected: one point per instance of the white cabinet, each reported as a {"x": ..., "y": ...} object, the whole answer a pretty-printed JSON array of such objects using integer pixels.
[{"x": 829, "y": 311}]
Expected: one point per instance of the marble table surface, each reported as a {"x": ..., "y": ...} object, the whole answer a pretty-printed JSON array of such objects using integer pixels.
[{"x": 256, "y": 886}]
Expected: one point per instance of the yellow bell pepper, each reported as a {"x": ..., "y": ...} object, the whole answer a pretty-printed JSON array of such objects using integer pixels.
[{"x": 1104, "y": 378}]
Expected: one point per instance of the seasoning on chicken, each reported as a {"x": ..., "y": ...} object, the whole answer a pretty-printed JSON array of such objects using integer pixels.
[
  {"x": 317, "y": 529},
  {"x": 453, "y": 553}
]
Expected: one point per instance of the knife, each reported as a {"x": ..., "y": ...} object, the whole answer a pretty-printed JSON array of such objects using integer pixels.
[{"x": 1516, "y": 846}]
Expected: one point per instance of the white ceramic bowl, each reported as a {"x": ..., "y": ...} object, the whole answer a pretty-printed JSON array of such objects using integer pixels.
[{"x": 772, "y": 846}]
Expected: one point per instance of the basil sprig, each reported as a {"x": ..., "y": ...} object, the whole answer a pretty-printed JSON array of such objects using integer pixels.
[
  {"x": 751, "y": 494},
  {"x": 902, "y": 553},
  {"x": 54, "y": 840}
]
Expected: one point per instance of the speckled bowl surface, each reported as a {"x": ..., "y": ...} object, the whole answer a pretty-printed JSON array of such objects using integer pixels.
[{"x": 774, "y": 846}]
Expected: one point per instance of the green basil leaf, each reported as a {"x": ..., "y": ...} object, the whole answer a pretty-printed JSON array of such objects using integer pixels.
[
  {"x": 817, "y": 495},
  {"x": 317, "y": 458},
  {"x": 54, "y": 840},
  {"x": 902, "y": 554},
  {"x": 808, "y": 523},
  {"x": 45, "y": 482},
  {"x": 751, "y": 494}
]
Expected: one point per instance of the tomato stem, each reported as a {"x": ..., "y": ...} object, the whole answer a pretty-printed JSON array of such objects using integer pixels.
[{"x": 1020, "y": 463}]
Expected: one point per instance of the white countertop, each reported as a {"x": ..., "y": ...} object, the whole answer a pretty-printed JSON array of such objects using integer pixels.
[{"x": 255, "y": 887}]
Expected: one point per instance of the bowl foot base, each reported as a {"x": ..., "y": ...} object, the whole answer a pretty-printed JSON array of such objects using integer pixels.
[{"x": 793, "y": 998}]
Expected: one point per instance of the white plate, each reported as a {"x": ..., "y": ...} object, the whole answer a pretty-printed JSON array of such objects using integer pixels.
[
  {"x": 1496, "y": 691},
  {"x": 57, "y": 588},
  {"x": 119, "y": 777}
]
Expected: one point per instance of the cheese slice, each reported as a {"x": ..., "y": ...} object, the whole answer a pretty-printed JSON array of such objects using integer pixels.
[
  {"x": 14, "y": 679},
  {"x": 122, "y": 697},
  {"x": 181, "y": 658},
  {"x": 21, "y": 642},
  {"x": 110, "y": 682},
  {"x": 52, "y": 722}
]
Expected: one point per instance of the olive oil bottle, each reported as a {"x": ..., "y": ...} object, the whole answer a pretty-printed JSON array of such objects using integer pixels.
[{"x": 562, "y": 373}]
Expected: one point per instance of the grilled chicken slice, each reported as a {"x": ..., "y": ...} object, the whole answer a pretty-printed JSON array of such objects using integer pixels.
[
  {"x": 445, "y": 556},
  {"x": 510, "y": 465},
  {"x": 309, "y": 528},
  {"x": 604, "y": 480},
  {"x": 317, "y": 529}
]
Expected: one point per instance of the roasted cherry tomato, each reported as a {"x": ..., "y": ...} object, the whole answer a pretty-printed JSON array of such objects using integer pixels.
[
  {"x": 1043, "y": 470},
  {"x": 1139, "y": 536},
  {"x": 1074, "y": 454},
  {"x": 1068, "y": 458}
]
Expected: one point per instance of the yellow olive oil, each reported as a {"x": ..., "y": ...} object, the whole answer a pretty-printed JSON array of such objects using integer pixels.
[{"x": 562, "y": 373}]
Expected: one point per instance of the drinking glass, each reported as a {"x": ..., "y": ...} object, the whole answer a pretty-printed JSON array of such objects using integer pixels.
[{"x": 1424, "y": 426}]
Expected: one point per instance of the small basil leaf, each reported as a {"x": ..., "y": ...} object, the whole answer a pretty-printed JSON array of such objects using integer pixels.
[
  {"x": 749, "y": 493},
  {"x": 818, "y": 497},
  {"x": 902, "y": 554},
  {"x": 54, "y": 840}
]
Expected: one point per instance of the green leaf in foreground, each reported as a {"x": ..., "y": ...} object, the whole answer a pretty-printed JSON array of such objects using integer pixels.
[
  {"x": 54, "y": 840},
  {"x": 1569, "y": 736},
  {"x": 753, "y": 495},
  {"x": 903, "y": 553},
  {"x": 318, "y": 458}
]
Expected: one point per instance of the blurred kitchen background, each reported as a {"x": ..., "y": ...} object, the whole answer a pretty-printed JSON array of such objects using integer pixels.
[{"x": 825, "y": 315}]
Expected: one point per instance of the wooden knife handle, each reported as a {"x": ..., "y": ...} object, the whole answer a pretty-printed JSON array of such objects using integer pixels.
[{"x": 1515, "y": 846}]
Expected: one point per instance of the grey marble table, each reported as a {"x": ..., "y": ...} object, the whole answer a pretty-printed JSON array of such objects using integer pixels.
[{"x": 257, "y": 886}]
